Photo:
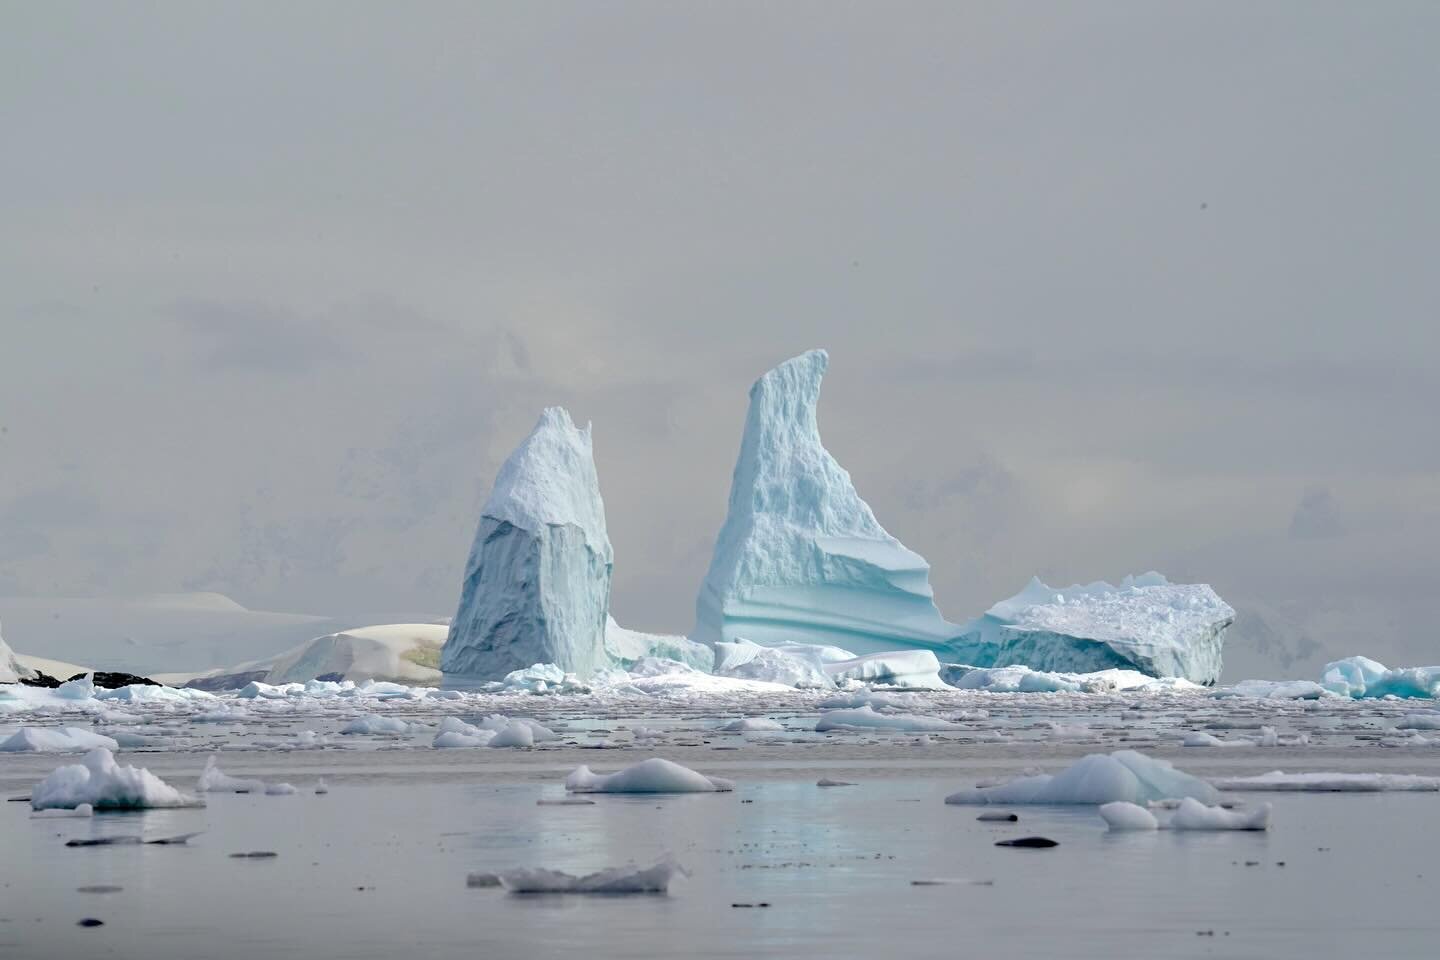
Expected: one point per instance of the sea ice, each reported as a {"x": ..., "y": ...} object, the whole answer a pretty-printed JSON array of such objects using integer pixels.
[
  {"x": 1098, "y": 778},
  {"x": 624, "y": 647},
  {"x": 648, "y": 776},
  {"x": 919, "y": 669},
  {"x": 101, "y": 782},
  {"x": 1147, "y": 624},
  {"x": 537, "y": 583},
  {"x": 866, "y": 717},
  {"x": 1022, "y": 679},
  {"x": 795, "y": 667},
  {"x": 1280, "y": 781},
  {"x": 800, "y": 556},
  {"x": 616, "y": 880},
  {"x": 1122, "y": 815}
]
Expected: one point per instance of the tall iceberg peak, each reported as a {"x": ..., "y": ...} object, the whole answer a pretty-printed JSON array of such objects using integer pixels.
[
  {"x": 801, "y": 557},
  {"x": 1147, "y": 623},
  {"x": 537, "y": 583}
]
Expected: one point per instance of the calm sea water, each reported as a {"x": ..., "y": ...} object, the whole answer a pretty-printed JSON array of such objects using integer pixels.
[{"x": 377, "y": 869}]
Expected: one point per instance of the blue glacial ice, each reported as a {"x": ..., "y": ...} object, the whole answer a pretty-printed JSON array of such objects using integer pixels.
[
  {"x": 1147, "y": 623},
  {"x": 801, "y": 558},
  {"x": 537, "y": 584},
  {"x": 1361, "y": 677}
]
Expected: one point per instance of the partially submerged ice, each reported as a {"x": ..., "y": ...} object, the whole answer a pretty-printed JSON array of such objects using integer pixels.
[
  {"x": 801, "y": 558},
  {"x": 101, "y": 782},
  {"x": 655, "y": 775},
  {"x": 537, "y": 583},
  {"x": 1147, "y": 623},
  {"x": 1125, "y": 775},
  {"x": 1361, "y": 677}
]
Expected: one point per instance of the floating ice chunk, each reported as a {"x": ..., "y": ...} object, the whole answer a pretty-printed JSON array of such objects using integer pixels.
[
  {"x": 1194, "y": 815},
  {"x": 866, "y": 717},
  {"x": 1147, "y": 624},
  {"x": 899, "y": 668},
  {"x": 801, "y": 557},
  {"x": 1122, "y": 815},
  {"x": 827, "y": 782},
  {"x": 372, "y": 723},
  {"x": 55, "y": 740},
  {"x": 752, "y": 725},
  {"x": 539, "y": 733},
  {"x": 648, "y": 776},
  {"x": 537, "y": 582},
  {"x": 214, "y": 780},
  {"x": 1098, "y": 778},
  {"x": 99, "y": 781},
  {"x": 1210, "y": 740},
  {"x": 1329, "y": 782},
  {"x": 482, "y": 880},
  {"x": 1361, "y": 677},
  {"x": 279, "y": 789},
  {"x": 1274, "y": 690},
  {"x": 513, "y": 735},
  {"x": 626, "y": 647},
  {"x": 795, "y": 667},
  {"x": 1022, "y": 679},
  {"x": 320, "y": 787},
  {"x": 616, "y": 880},
  {"x": 1411, "y": 721}
]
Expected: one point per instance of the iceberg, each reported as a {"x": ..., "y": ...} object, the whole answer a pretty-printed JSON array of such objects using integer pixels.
[
  {"x": 1147, "y": 623},
  {"x": 1361, "y": 677},
  {"x": 1194, "y": 815},
  {"x": 625, "y": 648},
  {"x": 1099, "y": 778},
  {"x": 101, "y": 782},
  {"x": 1122, "y": 816},
  {"x": 56, "y": 740},
  {"x": 915, "y": 669},
  {"x": 801, "y": 557},
  {"x": 537, "y": 583},
  {"x": 795, "y": 667},
  {"x": 616, "y": 880}
]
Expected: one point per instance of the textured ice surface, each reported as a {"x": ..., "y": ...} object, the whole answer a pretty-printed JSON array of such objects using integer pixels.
[
  {"x": 101, "y": 782},
  {"x": 648, "y": 776},
  {"x": 918, "y": 669},
  {"x": 800, "y": 556},
  {"x": 1147, "y": 624},
  {"x": 1017, "y": 679},
  {"x": 537, "y": 583},
  {"x": 616, "y": 880},
  {"x": 795, "y": 666},
  {"x": 1099, "y": 778},
  {"x": 55, "y": 740},
  {"x": 625, "y": 647},
  {"x": 1361, "y": 677}
]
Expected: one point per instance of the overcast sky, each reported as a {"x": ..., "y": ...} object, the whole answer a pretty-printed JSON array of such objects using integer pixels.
[{"x": 1106, "y": 287}]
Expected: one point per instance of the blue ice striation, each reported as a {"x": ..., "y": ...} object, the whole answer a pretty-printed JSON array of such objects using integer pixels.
[{"x": 801, "y": 558}]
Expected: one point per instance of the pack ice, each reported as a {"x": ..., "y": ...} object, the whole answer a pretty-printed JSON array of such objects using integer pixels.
[
  {"x": 800, "y": 557},
  {"x": 537, "y": 583},
  {"x": 1147, "y": 624}
]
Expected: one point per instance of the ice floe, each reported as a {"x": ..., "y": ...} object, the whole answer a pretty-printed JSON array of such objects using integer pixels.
[
  {"x": 101, "y": 782},
  {"x": 1095, "y": 779},
  {"x": 655, "y": 775},
  {"x": 1329, "y": 782},
  {"x": 616, "y": 880}
]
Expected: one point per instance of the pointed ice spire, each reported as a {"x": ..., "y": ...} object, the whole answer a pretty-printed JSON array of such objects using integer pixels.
[{"x": 801, "y": 556}]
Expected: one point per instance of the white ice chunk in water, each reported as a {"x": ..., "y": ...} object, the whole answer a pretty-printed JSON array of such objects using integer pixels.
[
  {"x": 1122, "y": 815},
  {"x": 1194, "y": 815},
  {"x": 101, "y": 782},
  {"x": 372, "y": 723},
  {"x": 56, "y": 740},
  {"x": 1098, "y": 778},
  {"x": 1279, "y": 781},
  {"x": 752, "y": 725},
  {"x": 648, "y": 776},
  {"x": 214, "y": 780}
]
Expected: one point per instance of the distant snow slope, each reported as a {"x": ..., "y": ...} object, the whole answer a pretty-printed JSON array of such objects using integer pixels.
[{"x": 801, "y": 556}]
